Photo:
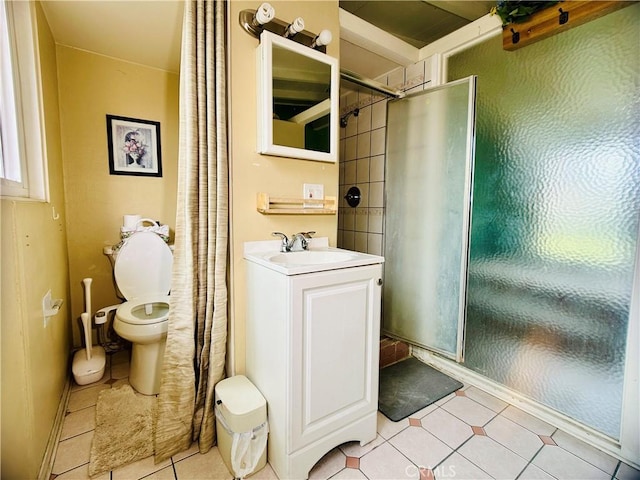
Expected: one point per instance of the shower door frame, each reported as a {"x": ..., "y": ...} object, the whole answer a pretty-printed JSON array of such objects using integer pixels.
[
  {"x": 458, "y": 355},
  {"x": 627, "y": 448}
]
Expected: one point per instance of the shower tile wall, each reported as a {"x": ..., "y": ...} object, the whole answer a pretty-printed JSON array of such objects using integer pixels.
[{"x": 362, "y": 158}]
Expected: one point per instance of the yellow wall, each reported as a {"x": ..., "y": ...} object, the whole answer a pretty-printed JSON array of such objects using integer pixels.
[
  {"x": 252, "y": 173},
  {"x": 34, "y": 260},
  {"x": 80, "y": 88},
  {"x": 92, "y": 86}
]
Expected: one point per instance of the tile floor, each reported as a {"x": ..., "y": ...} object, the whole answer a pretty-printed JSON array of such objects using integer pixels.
[{"x": 467, "y": 435}]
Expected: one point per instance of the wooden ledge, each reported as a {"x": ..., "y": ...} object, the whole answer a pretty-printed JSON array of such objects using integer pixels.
[{"x": 269, "y": 205}]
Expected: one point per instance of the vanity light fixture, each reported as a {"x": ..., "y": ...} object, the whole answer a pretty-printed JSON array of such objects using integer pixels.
[
  {"x": 254, "y": 22},
  {"x": 294, "y": 27},
  {"x": 323, "y": 38}
]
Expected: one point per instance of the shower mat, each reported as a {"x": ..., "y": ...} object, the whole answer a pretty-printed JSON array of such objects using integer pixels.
[
  {"x": 409, "y": 386},
  {"x": 124, "y": 429}
]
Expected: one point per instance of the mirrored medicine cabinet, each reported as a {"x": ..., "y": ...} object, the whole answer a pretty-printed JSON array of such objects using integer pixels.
[{"x": 297, "y": 100}]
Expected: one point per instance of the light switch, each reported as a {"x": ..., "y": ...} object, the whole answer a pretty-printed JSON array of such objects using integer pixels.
[{"x": 313, "y": 191}]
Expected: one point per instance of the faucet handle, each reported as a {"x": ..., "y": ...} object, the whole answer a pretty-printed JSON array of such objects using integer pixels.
[
  {"x": 285, "y": 247},
  {"x": 302, "y": 237},
  {"x": 308, "y": 235}
]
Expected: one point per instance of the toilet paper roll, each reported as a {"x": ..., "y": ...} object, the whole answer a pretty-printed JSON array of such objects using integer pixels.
[{"x": 130, "y": 221}]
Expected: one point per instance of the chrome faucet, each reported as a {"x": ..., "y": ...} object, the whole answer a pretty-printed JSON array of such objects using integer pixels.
[
  {"x": 300, "y": 238},
  {"x": 284, "y": 246}
]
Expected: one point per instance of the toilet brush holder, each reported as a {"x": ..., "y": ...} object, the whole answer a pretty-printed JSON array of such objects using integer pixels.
[
  {"x": 89, "y": 363},
  {"x": 86, "y": 371}
]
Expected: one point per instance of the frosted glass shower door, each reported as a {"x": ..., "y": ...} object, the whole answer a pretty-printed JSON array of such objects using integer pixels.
[
  {"x": 430, "y": 145},
  {"x": 556, "y": 215}
]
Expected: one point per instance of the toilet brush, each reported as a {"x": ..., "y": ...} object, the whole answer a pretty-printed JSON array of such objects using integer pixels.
[
  {"x": 87, "y": 295},
  {"x": 88, "y": 364},
  {"x": 86, "y": 324},
  {"x": 86, "y": 316}
]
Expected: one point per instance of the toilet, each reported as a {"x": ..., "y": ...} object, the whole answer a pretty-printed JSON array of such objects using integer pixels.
[{"x": 142, "y": 271}]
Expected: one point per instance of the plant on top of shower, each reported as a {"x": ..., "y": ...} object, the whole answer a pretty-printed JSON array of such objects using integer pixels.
[{"x": 518, "y": 11}]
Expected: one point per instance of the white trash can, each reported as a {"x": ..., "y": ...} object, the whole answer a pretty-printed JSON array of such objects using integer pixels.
[{"x": 241, "y": 425}]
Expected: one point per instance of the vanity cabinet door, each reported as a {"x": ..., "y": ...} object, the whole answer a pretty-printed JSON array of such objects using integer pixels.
[{"x": 334, "y": 350}]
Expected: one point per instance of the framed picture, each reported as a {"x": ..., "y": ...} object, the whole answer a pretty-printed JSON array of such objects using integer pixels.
[{"x": 134, "y": 146}]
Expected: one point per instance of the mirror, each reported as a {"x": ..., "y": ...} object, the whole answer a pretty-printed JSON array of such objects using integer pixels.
[{"x": 297, "y": 100}]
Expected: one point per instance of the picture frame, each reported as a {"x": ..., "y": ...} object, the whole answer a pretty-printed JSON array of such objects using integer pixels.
[{"x": 134, "y": 146}]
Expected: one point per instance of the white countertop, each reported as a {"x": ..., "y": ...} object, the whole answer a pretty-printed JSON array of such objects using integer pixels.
[{"x": 267, "y": 252}]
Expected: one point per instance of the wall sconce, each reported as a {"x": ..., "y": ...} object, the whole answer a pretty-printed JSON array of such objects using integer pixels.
[
  {"x": 294, "y": 27},
  {"x": 323, "y": 38}
]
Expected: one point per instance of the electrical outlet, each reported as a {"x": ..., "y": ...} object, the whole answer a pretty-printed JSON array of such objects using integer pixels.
[{"x": 313, "y": 191}]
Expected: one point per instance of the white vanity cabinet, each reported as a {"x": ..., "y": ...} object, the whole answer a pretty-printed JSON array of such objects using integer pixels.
[{"x": 312, "y": 350}]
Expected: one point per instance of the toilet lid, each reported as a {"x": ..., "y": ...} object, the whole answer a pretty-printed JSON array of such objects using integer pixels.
[{"x": 143, "y": 266}]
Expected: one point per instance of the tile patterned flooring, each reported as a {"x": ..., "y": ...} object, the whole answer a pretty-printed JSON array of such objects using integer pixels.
[{"x": 466, "y": 435}]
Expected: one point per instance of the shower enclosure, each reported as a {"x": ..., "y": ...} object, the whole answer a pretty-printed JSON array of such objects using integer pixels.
[{"x": 554, "y": 232}]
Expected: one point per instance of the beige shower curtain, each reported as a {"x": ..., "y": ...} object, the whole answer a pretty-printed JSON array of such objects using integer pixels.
[{"x": 196, "y": 340}]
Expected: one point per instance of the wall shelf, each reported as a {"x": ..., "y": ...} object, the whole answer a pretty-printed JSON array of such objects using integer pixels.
[
  {"x": 269, "y": 205},
  {"x": 556, "y": 19}
]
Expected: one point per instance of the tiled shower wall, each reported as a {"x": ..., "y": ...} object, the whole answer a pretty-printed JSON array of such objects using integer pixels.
[{"x": 362, "y": 157}]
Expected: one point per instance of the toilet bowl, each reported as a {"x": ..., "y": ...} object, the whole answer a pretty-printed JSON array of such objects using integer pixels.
[{"x": 142, "y": 271}]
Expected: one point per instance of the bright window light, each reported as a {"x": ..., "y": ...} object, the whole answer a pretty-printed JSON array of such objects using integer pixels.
[{"x": 22, "y": 153}]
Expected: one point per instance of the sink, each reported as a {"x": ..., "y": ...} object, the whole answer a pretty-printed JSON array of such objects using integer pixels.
[
  {"x": 319, "y": 258},
  {"x": 311, "y": 257}
]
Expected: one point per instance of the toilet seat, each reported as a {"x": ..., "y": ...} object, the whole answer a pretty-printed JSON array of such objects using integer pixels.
[
  {"x": 132, "y": 312},
  {"x": 143, "y": 267},
  {"x": 143, "y": 274}
]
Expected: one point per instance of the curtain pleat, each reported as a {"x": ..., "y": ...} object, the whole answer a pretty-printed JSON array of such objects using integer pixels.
[{"x": 195, "y": 352}]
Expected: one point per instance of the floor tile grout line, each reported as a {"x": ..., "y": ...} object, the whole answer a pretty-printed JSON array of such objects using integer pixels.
[
  {"x": 408, "y": 459},
  {"x": 615, "y": 470},
  {"x": 69, "y": 412},
  {"x": 508, "y": 447},
  {"x": 464, "y": 421},
  {"x": 468, "y": 460},
  {"x": 175, "y": 471},
  {"x": 530, "y": 462},
  {"x": 580, "y": 458},
  {"x": 519, "y": 424},
  {"x": 505, "y": 446},
  {"x": 70, "y": 469},
  {"x": 75, "y": 436}
]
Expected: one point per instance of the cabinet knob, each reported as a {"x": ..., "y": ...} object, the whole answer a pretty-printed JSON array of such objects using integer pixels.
[{"x": 379, "y": 281}]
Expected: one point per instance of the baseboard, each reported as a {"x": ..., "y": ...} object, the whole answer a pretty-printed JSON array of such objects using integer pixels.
[{"x": 54, "y": 437}]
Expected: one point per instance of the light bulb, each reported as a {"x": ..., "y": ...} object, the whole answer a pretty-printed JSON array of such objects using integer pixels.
[
  {"x": 323, "y": 38},
  {"x": 295, "y": 27},
  {"x": 264, "y": 14}
]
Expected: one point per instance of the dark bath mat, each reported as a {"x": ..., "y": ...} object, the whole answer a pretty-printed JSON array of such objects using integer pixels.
[{"x": 409, "y": 386}]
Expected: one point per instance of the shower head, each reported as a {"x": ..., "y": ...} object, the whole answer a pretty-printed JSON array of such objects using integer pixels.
[{"x": 344, "y": 120}]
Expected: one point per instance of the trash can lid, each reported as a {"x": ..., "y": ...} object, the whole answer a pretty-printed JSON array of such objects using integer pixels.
[{"x": 239, "y": 395}]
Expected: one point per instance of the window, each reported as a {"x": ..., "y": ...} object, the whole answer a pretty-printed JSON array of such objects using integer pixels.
[{"x": 22, "y": 152}]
